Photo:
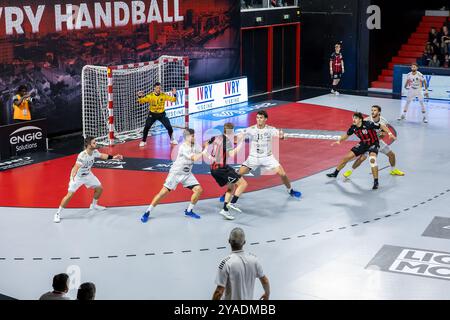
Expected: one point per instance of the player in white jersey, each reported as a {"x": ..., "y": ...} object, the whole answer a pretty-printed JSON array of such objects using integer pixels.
[
  {"x": 384, "y": 147},
  {"x": 181, "y": 172},
  {"x": 81, "y": 174},
  {"x": 261, "y": 151},
  {"x": 415, "y": 82}
]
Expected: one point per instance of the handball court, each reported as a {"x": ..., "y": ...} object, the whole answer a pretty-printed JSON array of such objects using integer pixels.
[{"x": 341, "y": 240}]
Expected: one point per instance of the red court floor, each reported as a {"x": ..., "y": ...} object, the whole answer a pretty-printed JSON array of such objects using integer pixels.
[{"x": 44, "y": 184}]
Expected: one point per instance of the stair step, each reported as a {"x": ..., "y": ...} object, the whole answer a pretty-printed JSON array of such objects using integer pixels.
[
  {"x": 391, "y": 65},
  {"x": 387, "y": 72},
  {"x": 423, "y": 29},
  {"x": 410, "y": 54},
  {"x": 381, "y": 84},
  {"x": 385, "y": 78},
  {"x": 419, "y": 35},
  {"x": 409, "y": 47},
  {"x": 417, "y": 41},
  {"x": 431, "y": 24},
  {"x": 401, "y": 60},
  {"x": 433, "y": 19}
]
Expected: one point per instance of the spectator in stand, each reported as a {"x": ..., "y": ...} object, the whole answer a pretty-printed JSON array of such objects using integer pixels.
[
  {"x": 445, "y": 40},
  {"x": 425, "y": 59},
  {"x": 434, "y": 63},
  {"x": 434, "y": 39},
  {"x": 446, "y": 61},
  {"x": 238, "y": 271},
  {"x": 86, "y": 291},
  {"x": 60, "y": 288}
]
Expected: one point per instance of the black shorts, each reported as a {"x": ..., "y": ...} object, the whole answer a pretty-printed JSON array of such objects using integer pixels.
[
  {"x": 225, "y": 175},
  {"x": 362, "y": 148},
  {"x": 336, "y": 75}
]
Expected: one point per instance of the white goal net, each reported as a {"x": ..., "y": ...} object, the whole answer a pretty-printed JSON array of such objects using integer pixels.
[{"x": 111, "y": 111}]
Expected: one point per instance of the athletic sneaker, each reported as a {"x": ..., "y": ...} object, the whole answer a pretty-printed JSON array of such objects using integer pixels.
[
  {"x": 142, "y": 144},
  {"x": 226, "y": 214},
  {"x": 295, "y": 194},
  {"x": 234, "y": 207},
  {"x": 397, "y": 172},
  {"x": 402, "y": 117},
  {"x": 332, "y": 91},
  {"x": 375, "y": 185},
  {"x": 336, "y": 93},
  {"x": 332, "y": 175},
  {"x": 145, "y": 217},
  {"x": 191, "y": 214},
  {"x": 96, "y": 207},
  {"x": 174, "y": 142},
  {"x": 56, "y": 218},
  {"x": 425, "y": 120},
  {"x": 222, "y": 198},
  {"x": 348, "y": 173}
]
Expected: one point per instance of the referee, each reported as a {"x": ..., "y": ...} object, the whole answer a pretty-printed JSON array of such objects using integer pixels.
[{"x": 156, "y": 101}]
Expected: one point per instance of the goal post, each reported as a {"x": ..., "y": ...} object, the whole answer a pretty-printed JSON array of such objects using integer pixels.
[{"x": 110, "y": 107}]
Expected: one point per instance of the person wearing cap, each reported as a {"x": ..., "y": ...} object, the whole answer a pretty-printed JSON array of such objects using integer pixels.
[{"x": 237, "y": 272}]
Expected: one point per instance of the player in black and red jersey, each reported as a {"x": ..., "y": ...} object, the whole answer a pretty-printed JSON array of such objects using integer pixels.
[
  {"x": 223, "y": 149},
  {"x": 366, "y": 132},
  {"x": 336, "y": 67}
]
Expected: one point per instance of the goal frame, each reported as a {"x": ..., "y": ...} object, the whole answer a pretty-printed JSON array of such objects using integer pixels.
[{"x": 110, "y": 88}]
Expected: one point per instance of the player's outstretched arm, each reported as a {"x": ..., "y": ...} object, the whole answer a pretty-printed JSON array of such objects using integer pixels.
[
  {"x": 142, "y": 98},
  {"x": 386, "y": 130},
  {"x": 105, "y": 156},
  {"x": 341, "y": 138}
]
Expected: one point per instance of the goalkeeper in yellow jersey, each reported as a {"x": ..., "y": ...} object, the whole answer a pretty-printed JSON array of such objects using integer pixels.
[{"x": 156, "y": 101}]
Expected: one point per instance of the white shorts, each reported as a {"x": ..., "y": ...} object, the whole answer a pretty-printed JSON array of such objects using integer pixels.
[
  {"x": 412, "y": 93},
  {"x": 173, "y": 179},
  {"x": 90, "y": 181},
  {"x": 267, "y": 163},
  {"x": 384, "y": 148}
]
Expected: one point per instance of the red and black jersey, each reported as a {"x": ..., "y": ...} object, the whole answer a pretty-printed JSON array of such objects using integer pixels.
[
  {"x": 336, "y": 60},
  {"x": 366, "y": 133},
  {"x": 220, "y": 150}
]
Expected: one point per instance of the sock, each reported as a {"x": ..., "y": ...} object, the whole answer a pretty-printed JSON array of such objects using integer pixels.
[
  {"x": 94, "y": 202},
  {"x": 190, "y": 207},
  {"x": 150, "y": 208},
  {"x": 225, "y": 206},
  {"x": 60, "y": 209},
  {"x": 375, "y": 180},
  {"x": 392, "y": 168},
  {"x": 289, "y": 190},
  {"x": 336, "y": 172},
  {"x": 235, "y": 199}
]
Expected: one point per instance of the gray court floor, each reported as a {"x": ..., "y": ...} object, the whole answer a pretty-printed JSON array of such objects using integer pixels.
[{"x": 340, "y": 241}]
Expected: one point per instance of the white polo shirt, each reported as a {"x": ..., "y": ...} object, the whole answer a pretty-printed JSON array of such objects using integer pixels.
[{"x": 237, "y": 274}]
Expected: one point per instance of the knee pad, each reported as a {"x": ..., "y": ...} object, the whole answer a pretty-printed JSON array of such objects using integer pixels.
[{"x": 373, "y": 161}]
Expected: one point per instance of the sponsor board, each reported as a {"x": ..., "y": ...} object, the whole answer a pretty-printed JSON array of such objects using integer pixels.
[
  {"x": 438, "y": 86},
  {"x": 412, "y": 261},
  {"x": 22, "y": 138},
  {"x": 208, "y": 97}
]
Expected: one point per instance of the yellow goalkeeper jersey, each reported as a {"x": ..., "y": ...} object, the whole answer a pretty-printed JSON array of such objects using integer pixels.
[{"x": 157, "y": 102}]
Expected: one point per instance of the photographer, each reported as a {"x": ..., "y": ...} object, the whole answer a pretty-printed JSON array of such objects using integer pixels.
[{"x": 21, "y": 104}]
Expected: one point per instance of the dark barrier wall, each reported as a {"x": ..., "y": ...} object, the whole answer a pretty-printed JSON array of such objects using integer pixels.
[
  {"x": 39, "y": 50},
  {"x": 323, "y": 24}
]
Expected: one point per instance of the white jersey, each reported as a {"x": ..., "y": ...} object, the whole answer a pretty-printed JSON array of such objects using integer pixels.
[
  {"x": 381, "y": 121},
  {"x": 86, "y": 161},
  {"x": 184, "y": 163},
  {"x": 261, "y": 140},
  {"x": 237, "y": 274},
  {"x": 415, "y": 80}
]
